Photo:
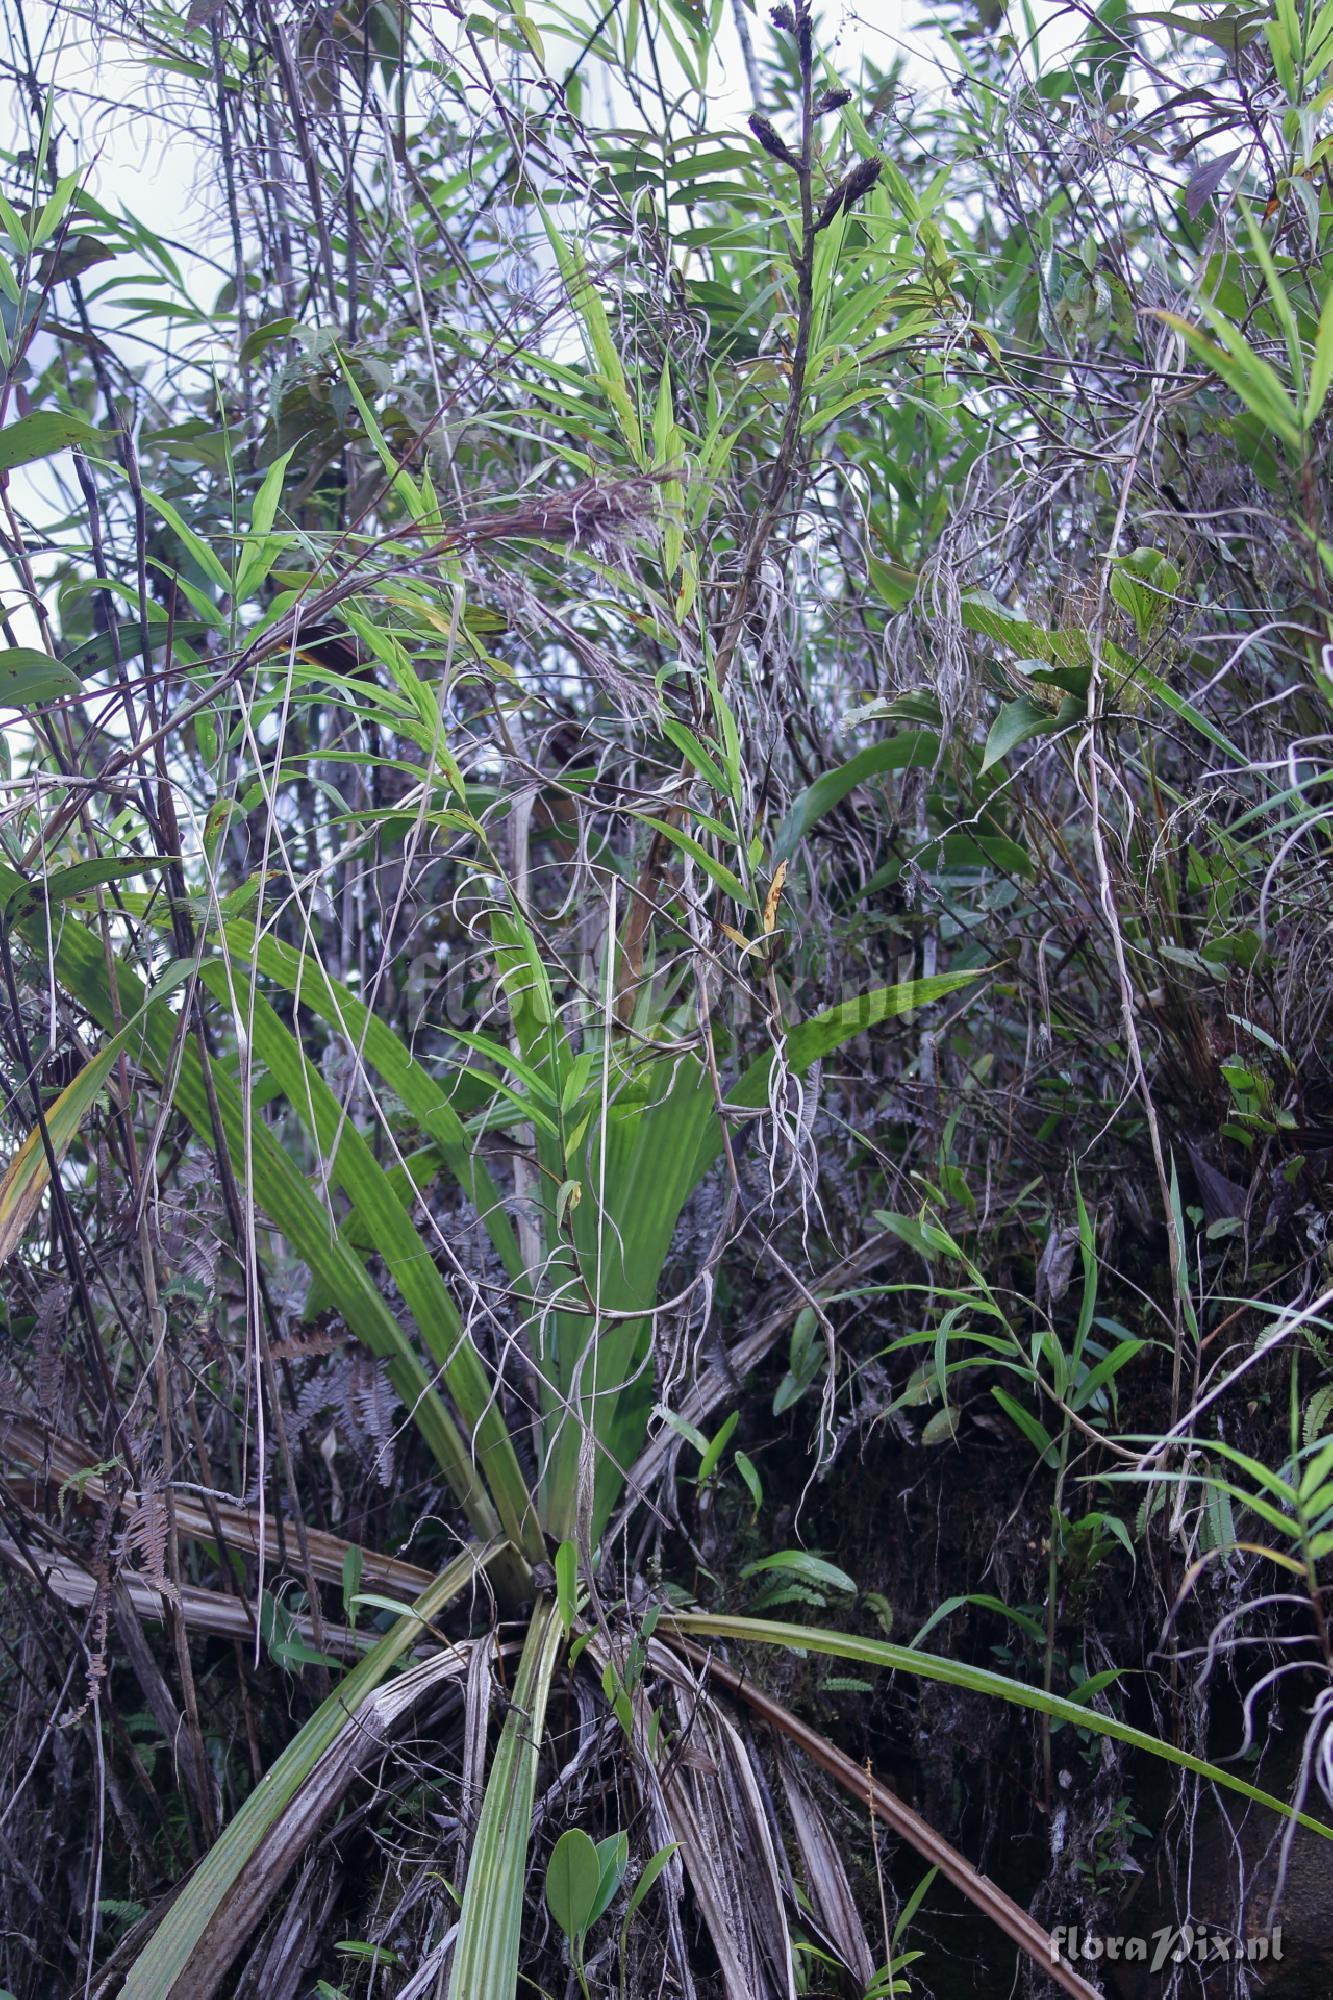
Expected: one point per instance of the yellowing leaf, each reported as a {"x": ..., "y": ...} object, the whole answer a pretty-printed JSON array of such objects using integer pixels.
[{"x": 774, "y": 896}]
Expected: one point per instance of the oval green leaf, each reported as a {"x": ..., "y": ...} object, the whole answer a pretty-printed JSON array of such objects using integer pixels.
[{"x": 573, "y": 1882}]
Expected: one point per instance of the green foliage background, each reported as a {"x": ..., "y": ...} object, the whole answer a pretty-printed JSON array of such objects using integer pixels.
[{"x": 665, "y": 919}]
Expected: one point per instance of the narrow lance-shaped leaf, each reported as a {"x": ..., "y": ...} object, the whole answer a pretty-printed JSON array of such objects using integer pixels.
[
  {"x": 386, "y": 1055},
  {"x": 912, "y": 749},
  {"x": 809, "y": 1041},
  {"x": 29, "y": 677},
  {"x": 41, "y": 435}
]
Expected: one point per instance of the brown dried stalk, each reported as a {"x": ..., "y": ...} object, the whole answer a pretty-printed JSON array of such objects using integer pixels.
[{"x": 860, "y": 1784}]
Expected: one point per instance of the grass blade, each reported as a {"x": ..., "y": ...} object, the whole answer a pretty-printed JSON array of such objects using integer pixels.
[
  {"x": 28, "y": 1174},
  {"x": 383, "y": 1052}
]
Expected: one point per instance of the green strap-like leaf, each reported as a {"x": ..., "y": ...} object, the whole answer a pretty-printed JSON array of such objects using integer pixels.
[
  {"x": 386, "y": 1055},
  {"x": 43, "y": 434},
  {"x": 278, "y": 1185},
  {"x": 810, "y": 1041},
  {"x": 657, "y": 1152},
  {"x": 28, "y": 678},
  {"x": 486, "y": 1955},
  {"x": 980, "y": 1680},
  {"x": 354, "y": 1168}
]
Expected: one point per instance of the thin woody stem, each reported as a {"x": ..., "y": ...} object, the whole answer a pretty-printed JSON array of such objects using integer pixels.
[{"x": 766, "y": 520}]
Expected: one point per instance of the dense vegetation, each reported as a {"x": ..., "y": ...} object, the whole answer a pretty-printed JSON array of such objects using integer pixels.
[{"x": 665, "y": 937}]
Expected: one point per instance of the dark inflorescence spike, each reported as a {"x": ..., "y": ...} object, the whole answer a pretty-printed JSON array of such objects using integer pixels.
[
  {"x": 770, "y": 140},
  {"x": 849, "y": 191}
]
